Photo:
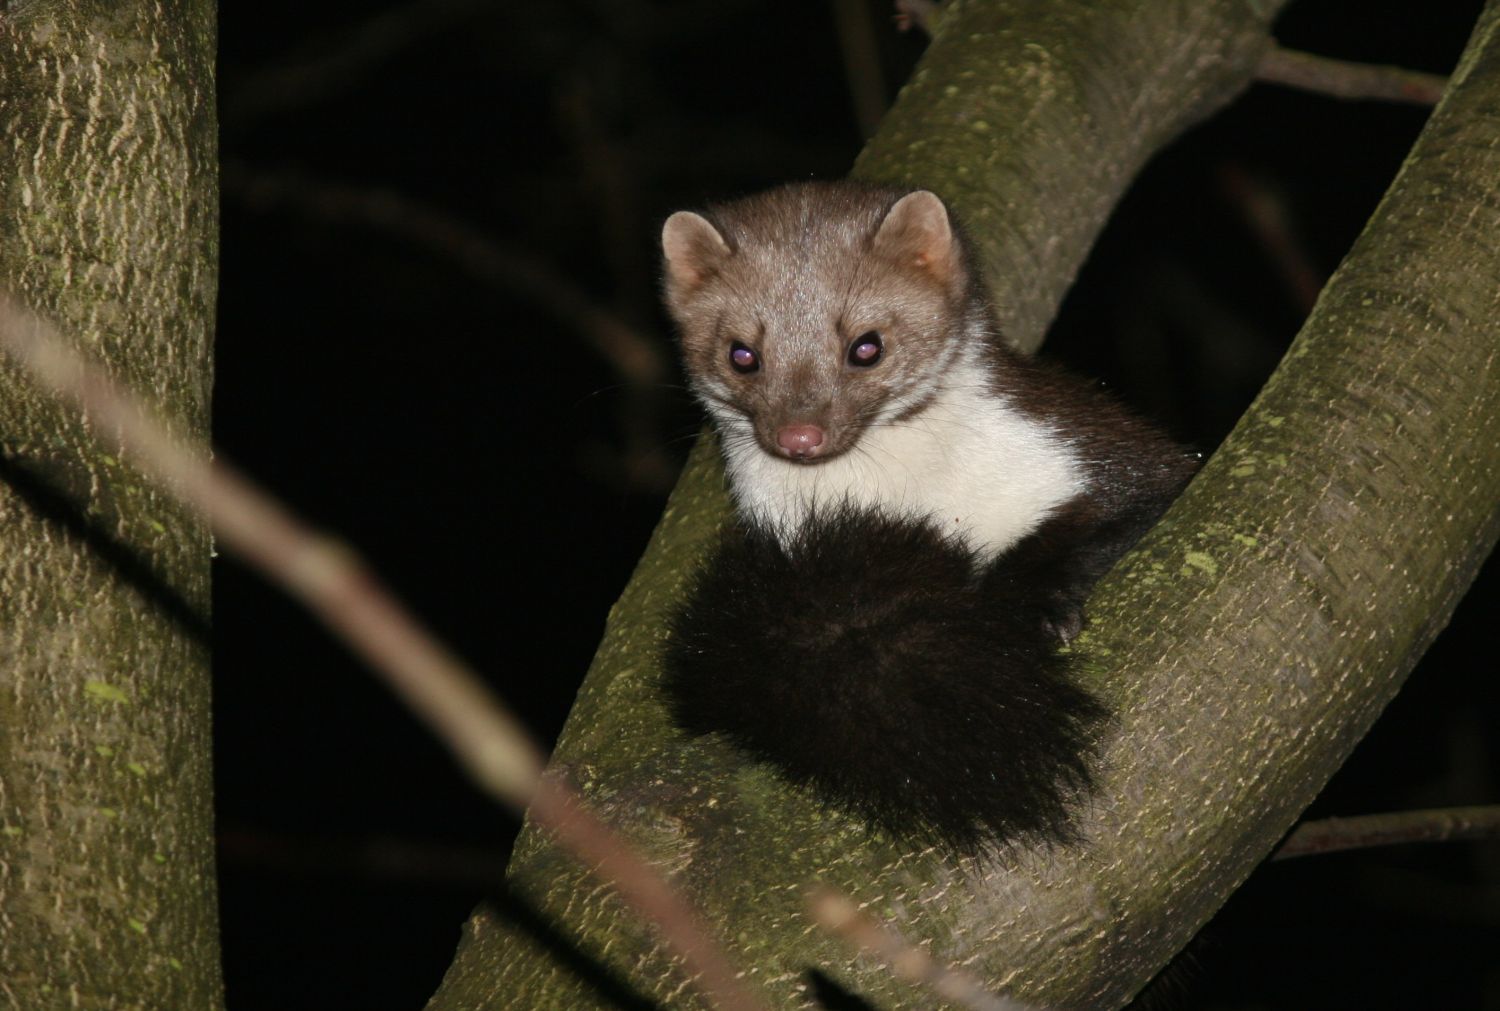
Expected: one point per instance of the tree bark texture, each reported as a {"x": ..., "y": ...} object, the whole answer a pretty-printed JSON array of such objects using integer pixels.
[{"x": 108, "y": 227}]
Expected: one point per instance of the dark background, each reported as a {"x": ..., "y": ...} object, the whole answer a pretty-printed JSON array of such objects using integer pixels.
[{"x": 428, "y": 211}]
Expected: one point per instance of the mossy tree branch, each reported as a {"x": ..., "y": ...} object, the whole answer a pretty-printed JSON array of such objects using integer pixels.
[
  {"x": 1034, "y": 117},
  {"x": 108, "y": 224},
  {"x": 1247, "y": 645}
]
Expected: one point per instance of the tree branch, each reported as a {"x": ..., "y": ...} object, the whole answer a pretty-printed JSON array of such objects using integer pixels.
[
  {"x": 341, "y": 61},
  {"x": 1307, "y": 71},
  {"x": 919, "y": 14},
  {"x": 1246, "y": 645},
  {"x": 1269, "y": 220},
  {"x": 1333, "y": 835},
  {"x": 636, "y": 357},
  {"x": 834, "y": 912},
  {"x": 339, "y": 589},
  {"x": 1343, "y": 79},
  {"x": 108, "y": 219}
]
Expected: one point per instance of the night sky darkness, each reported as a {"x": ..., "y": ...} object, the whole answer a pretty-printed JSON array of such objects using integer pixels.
[{"x": 440, "y": 408}]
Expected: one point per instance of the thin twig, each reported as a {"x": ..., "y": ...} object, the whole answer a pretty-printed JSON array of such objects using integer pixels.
[
  {"x": 637, "y": 358},
  {"x": 339, "y": 62},
  {"x": 1343, "y": 79},
  {"x": 918, "y": 14},
  {"x": 336, "y": 586},
  {"x": 377, "y": 858},
  {"x": 1436, "y": 825},
  {"x": 835, "y": 913}
]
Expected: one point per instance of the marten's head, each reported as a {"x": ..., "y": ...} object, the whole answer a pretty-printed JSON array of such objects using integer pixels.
[{"x": 809, "y": 313}]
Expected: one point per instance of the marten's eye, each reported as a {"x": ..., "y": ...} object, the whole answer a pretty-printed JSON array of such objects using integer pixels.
[
  {"x": 866, "y": 349},
  {"x": 742, "y": 359}
]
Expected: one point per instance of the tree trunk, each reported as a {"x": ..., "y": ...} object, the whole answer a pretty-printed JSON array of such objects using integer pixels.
[
  {"x": 108, "y": 226},
  {"x": 1247, "y": 644}
]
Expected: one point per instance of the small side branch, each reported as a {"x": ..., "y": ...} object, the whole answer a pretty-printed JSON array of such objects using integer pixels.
[
  {"x": 634, "y": 356},
  {"x": 1438, "y": 825},
  {"x": 1289, "y": 67},
  {"x": 1342, "y": 79},
  {"x": 919, "y": 14},
  {"x": 1267, "y": 216},
  {"x": 303, "y": 78}
]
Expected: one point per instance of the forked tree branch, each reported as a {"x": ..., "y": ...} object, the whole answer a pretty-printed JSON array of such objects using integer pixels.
[{"x": 1246, "y": 645}]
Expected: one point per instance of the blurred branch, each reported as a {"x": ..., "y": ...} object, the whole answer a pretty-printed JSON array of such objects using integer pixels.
[
  {"x": 861, "y": 53},
  {"x": 338, "y": 64},
  {"x": 835, "y": 913},
  {"x": 1437, "y": 825},
  {"x": 635, "y": 356},
  {"x": 588, "y": 101},
  {"x": 1266, "y": 215},
  {"x": 377, "y": 858},
  {"x": 919, "y": 14},
  {"x": 338, "y": 588},
  {"x": 1343, "y": 79}
]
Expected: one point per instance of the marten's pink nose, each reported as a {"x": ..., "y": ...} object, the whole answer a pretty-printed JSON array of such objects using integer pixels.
[{"x": 800, "y": 441}]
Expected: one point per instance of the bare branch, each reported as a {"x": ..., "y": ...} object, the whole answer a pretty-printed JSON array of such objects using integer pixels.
[
  {"x": 1267, "y": 216},
  {"x": 835, "y": 913},
  {"x": 635, "y": 356},
  {"x": 919, "y": 14},
  {"x": 334, "y": 584},
  {"x": 340, "y": 63},
  {"x": 378, "y": 858},
  {"x": 1437, "y": 825},
  {"x": 1342, "y": 79},
  {"x": 861, "y": 55}
]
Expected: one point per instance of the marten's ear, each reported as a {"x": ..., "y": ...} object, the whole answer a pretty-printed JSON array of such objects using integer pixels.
[
  {"x": 916, "y": 233},
  {"x": 694, "y": 251}
]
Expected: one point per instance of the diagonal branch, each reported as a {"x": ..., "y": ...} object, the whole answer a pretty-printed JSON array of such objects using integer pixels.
[
  {"x": 834, "y": 912},
  {"x": 635, "y": 356},
  {"x": 338, "y": 588}
]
